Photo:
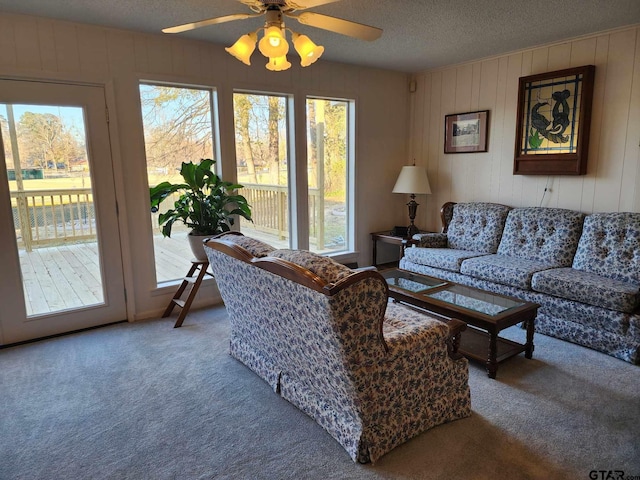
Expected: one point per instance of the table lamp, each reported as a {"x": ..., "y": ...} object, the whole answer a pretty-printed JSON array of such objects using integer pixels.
[{"x": 412, "y": 180}]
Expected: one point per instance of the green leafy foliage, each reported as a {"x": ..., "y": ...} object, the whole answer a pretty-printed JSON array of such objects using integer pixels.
[
  {"x": 535, "y": 140},
  {"x": 207, "y": 203}
]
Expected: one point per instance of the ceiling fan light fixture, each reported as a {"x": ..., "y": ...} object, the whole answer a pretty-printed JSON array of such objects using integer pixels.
[
  {"x": 309, "y": 52},
  {"x": 278, "y": 64},
  {"x": 273, "y": 44},
  {"x": 244, "y": 47}
]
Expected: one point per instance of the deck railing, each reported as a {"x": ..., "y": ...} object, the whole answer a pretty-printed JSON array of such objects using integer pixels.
[
  {"x": 48, "y": 217},
  {"x": 270, "y": 212}
]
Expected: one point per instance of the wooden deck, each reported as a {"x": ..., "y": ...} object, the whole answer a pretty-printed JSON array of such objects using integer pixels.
[
  {"x": 173, "y": 256},
  {"x": 68, "y": 276},
  {"x": 60, "y": 278}
]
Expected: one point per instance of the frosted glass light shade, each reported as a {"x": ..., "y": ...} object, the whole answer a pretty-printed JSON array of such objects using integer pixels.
[
  {"x": 309, "y": 52},
  {"x": 412, "y": 179},
  {"x": 278, "y": 64},
  {"x": 244, "y": 47},
  {"x": 273, "y": 44}
]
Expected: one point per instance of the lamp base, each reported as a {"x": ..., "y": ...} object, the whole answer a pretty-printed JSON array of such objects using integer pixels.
[
  {"x": 412, "y": 230},
  {"x": 413, "y": 208}
]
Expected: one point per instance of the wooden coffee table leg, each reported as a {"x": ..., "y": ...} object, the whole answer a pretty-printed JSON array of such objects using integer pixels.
[
  {"x": 492, "y": 364},
  {"x": 528, "y": 353}
]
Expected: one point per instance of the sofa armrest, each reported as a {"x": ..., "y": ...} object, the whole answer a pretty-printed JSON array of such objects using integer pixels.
[
  {"x": 406, "y": 329},
  {"x": 431, "y": 240},
  {"x": 413, "y": 337}
]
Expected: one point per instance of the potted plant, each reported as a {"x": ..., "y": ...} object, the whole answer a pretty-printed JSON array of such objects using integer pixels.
[{"x": 207, "y": 204}]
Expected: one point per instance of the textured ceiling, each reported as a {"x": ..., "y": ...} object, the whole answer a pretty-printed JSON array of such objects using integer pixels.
[{"x": 418, "y": 34}]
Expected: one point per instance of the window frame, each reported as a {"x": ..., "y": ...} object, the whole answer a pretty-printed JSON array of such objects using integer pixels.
[
  {"x": 216, "y": 141},
  {"x": 297, "y": 155},
  {"x": 346, "y": 254}
]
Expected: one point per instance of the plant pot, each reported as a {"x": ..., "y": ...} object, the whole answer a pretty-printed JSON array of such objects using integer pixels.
[{"x": 197, "y": 247}]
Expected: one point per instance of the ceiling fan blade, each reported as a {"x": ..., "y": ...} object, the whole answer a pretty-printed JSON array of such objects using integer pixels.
[
  {"x": 333, "y": 24},
  {"x": 211, "y": 21},
  {"x": 304, "y": 4},
  {"x": 255, "y": 5}
]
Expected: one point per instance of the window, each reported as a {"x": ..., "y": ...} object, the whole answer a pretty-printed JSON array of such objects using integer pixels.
[
  {"x": 262, "y": 127},
  {"x": 262, "y": 164},
  {"x": 328, "y": 154},
  {"x": 178, "y": 127}
]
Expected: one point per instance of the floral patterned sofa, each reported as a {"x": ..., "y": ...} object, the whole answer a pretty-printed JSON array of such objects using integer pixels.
[
  {"x": 584, "y": 270},
  {"x": 372, "y": 373}
]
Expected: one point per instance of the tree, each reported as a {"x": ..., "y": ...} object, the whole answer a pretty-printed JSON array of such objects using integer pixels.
[
  {"x": 244, "y": 152},
  {"x": 335, "y": 147},
  {"x": 274, "y": 139},
  {"x": 6, "y": 140},
  {"x": 46, "y": 142},
  {"x": 327, "y": 144},
  {"x": 259, "y": 121},
  {"x": 177, "y": 125}
]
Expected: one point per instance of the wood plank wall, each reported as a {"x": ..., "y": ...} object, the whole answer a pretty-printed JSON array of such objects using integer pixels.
[{"x": 612, "y": 182}]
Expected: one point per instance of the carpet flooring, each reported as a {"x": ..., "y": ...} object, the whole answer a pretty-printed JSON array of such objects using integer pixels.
[{"x": 146, "y": 401}]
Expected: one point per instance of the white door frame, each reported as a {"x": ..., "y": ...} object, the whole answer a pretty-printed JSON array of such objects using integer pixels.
[{"x": 15, "y": 326}]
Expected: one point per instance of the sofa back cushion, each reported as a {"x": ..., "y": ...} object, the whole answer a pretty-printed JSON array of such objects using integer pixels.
[
  {"x": 327, "y": 269},
  {"x": 255, "y": 247},
  {"x": 610, "y": 246},
  {"x": 477, "y": 226},
  {"x": 548, "y": 235}
]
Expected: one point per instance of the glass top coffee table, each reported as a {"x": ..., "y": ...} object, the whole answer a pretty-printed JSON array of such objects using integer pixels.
[{"x": 488, "y": 313}]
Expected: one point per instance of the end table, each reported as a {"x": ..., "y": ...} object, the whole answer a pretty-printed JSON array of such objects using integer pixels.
[{"x": 387, "y": 237}]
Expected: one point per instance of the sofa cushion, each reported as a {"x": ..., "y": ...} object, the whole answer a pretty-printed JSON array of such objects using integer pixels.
[
  {"x": 588, "y": 288},
  {"x": 255, "y": 247},
  {"x": 503, "y": 269},
  {"x": 324, "y": 267},
  {"x": 610, "y": 246},
  {"x": 445, "y": 258},
  {"x": 546, "y": 235},
  {"x": 477, "y": 227}
]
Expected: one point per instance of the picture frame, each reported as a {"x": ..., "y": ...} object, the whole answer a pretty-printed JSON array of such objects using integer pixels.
[
  {"x": 553, "y": 122},
  {"x": 466, "y": 132}
]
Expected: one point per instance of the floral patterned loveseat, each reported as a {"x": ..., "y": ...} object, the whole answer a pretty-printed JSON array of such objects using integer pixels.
[
  {"x": 584, "y": 270},
  {"x": 372, "y": 373}
]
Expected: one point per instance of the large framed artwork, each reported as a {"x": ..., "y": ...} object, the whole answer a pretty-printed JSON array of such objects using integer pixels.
[
  {"x": 554, "y": 116},
  {"x": 466, "y": 132}
]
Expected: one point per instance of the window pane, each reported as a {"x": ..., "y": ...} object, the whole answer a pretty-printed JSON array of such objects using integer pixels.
[
  {"x": 178, "y": 128},
  {"x": 52, "y": 205},
  {"x": 261, "y": 155},
  {"x": 327, "y": 163}
]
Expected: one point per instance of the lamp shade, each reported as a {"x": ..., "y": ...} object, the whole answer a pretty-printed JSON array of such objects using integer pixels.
[
  {"x": 243, "y": 48},
  {"x": 273, "y": 44},
  {"x": 412, "y": 179},
  {"x": 309, "y": 52},
  {"x": 278, "y": 64}
]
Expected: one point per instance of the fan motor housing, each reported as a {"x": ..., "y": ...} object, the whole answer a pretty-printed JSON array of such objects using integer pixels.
[{"x": 274, "y": 3}]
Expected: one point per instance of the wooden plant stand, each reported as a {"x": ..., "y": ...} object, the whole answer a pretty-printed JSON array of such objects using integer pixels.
[{"x": 192, "y": 279}]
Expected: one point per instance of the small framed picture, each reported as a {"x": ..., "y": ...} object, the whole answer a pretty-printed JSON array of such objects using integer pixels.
[{"x": 466, "y": 132}]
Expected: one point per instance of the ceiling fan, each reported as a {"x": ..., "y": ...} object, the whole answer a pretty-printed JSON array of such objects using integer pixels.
[{"x": 274, "y": 45}]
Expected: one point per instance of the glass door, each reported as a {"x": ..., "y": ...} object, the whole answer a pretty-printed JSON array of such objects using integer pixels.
[{"x": 58, "y": 216}]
